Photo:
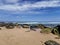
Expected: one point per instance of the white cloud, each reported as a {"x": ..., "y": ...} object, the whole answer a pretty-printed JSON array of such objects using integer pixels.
[
  {"x": 29, "y": 6},
  {"x": 12, "y": 7},
  {"x": 45, "y": 4}
]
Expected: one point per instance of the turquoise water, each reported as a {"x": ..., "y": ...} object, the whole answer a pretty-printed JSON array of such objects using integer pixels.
[{"x": 35, "y": 22}]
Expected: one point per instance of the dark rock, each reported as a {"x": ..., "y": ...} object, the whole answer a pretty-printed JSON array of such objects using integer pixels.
[{"x": 50, "y": 42}]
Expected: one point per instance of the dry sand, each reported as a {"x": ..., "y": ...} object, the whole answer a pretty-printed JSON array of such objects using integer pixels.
[{"x": 21, "y": 37}]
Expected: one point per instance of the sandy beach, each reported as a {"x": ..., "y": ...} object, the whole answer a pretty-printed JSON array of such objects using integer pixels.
[{"x": 20, "y": 36}]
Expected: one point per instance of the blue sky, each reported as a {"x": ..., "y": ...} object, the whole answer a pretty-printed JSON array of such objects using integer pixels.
[{"x": 29, "y": 10}]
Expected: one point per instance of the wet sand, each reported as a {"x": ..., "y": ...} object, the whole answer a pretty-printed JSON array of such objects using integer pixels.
[{"x": 20, "y": 36}]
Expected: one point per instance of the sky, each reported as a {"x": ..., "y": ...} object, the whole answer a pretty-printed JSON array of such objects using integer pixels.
[{"x": 30, "y": 10}]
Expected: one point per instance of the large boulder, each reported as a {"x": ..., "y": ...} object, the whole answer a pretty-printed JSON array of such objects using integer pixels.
[
  {"x": 46, "y": 30},
  {"x": 25, "y": 25},
  {"x": 2, "y": 24},
  {"x": 56, "y": 30},
  {"x": 9, "y": 25},
  {"x": 34, "y": 27}
]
